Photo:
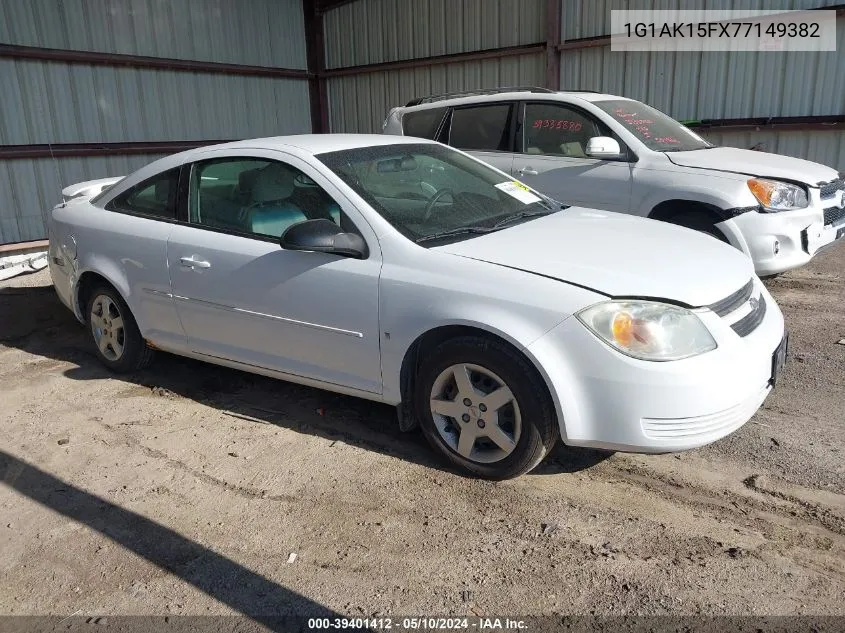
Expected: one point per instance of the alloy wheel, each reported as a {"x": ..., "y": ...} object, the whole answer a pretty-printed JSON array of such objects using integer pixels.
[
  {"x": 107, "y": 327},
  {"x": 475, "y": 413}
]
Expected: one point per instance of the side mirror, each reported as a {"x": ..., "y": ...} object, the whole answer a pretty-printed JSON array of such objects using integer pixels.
[
  {"x": 323, "y": 236},
  {"x": 603, "y": 147}
]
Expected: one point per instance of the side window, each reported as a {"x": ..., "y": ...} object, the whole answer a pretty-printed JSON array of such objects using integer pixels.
[
  {"x": 256, "y": 196},
  {"x": 481, "y": 127},
  {"x": 422, "y": 123},
  {"x": 556, "y": 130},
  {"x": 155, "y": 197}
]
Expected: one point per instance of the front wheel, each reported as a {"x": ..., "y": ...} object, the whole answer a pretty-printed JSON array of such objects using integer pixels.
[
  {"x": 117, "y": 340},
  {"x": 701, "y": 223},
  {"x": 484, "y": 407}
]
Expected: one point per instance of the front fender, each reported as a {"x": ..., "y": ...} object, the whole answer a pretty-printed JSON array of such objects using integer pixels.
[
  {"x": 518, "y": 334},
  {"x": 515, "y": 306},
  {"x": 552, "y": 364},
  {"x": 652, "y": 189}
]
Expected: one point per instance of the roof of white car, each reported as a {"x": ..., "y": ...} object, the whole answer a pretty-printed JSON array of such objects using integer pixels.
[{"x": 320, "y": 143}]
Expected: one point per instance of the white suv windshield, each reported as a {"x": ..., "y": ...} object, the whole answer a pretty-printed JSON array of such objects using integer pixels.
[
  {"x": 432, "y": 193},
  {"x": 656, "y": 130}
]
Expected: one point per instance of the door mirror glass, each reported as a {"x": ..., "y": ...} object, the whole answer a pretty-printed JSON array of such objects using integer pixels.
[
  {"x": 323, "y": 236},
  {"x": 603, "y": 147}
]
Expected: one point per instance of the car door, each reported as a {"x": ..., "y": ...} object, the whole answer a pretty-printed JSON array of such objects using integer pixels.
[
  {"x": 241, "y": 297},
  {"x": 552, "y": 140},
  {"x": 485, "y": 131}
]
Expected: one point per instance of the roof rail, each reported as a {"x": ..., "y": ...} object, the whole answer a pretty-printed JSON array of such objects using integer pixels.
[{"x": 480, "y": 91}]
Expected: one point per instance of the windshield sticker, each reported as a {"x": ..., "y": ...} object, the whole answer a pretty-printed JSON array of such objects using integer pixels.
[{"x": 519, "y": 191}]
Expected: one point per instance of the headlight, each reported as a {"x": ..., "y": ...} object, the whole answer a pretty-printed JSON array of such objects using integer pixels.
[
  {"x": 778, "y": 196},
  {"x": 648, "y": 330}
]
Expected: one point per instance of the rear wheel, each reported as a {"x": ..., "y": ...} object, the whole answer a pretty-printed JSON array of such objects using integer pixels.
[
  {"x": 484, "y": 407},
  {"x": 117, "y": 340}
]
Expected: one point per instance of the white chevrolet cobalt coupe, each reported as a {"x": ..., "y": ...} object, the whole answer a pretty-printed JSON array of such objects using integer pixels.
[{"x": 407, "y": 272}]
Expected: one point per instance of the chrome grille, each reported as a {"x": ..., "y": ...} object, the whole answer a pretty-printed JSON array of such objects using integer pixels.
[{"x": 828, "y": 190}]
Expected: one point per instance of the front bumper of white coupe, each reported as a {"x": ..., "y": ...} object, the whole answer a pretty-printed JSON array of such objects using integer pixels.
[{"x": 608, "y": 400}]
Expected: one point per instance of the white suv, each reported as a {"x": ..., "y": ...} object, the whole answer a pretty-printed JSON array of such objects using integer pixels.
[{"x": 617, "y": 154}]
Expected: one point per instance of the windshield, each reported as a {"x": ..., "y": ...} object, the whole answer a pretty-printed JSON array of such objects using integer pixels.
[
  {"x": 656, "y": 130},
  {"x": 426, "y": 190}
]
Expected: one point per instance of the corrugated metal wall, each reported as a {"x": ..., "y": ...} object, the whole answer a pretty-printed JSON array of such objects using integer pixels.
[
  {"x": 359, "y": 103},
  {"x": 56, "y": 102},
  {"x": 377, "y": 31},
  {"x": 827, "y": 148},
  {"x": 591, "y": 18},
  {"x": 374, "y": 31},
  {"x": 694, "y": 85},
  {"x": 75, "y": 103},
  {"x": 715, "y": 85},
  {"x": 28, "y": 188},
  {"x": 258, "y": 32}
]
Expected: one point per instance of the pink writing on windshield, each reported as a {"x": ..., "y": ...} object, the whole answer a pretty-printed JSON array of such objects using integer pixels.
[
  {"x": 557, "y": 124},
  {"x": 631, "y": 119}
]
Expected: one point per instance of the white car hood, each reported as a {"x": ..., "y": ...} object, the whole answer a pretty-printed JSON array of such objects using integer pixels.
[
  {"x": 753, "y": 163},
  {"x": 618, "y": 255}
]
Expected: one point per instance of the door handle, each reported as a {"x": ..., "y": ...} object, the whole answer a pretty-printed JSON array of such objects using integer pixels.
[
  {"x": 527, "y": 171},
  {"x": 193, "y": 262}
]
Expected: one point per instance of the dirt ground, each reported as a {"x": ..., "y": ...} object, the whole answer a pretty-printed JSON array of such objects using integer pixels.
[{"x": 188, "y": 489}]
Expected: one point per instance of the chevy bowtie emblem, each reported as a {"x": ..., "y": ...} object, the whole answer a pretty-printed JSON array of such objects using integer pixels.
[
  {"x": 754, "y": 303},
  {"x": 842, "y": 201}
]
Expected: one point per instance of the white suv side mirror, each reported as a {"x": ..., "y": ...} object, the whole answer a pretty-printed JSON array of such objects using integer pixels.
[{"x": 603, "y": 147}]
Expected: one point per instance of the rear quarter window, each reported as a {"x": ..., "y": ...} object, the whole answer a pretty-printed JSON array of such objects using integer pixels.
[
  {"x": 423, "y": 123},
  {"x": 155, "y": 197}
]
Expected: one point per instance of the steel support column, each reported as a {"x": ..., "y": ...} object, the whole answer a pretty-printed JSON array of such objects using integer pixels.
[
  {"x": 316, "y": 56},
  {"x": 553, "y": 17}
]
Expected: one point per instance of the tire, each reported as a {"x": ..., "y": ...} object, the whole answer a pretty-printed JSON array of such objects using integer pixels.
[
  {"x": 517, "y": 434},
  {"x": 699, "y": 222},
  {"x": 117, "y": 340}
]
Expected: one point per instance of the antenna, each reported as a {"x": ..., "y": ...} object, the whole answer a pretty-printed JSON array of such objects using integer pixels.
[{"x": 55, "y": 166}]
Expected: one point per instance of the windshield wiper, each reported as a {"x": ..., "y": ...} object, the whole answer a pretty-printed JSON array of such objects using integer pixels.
[
  {"x": 456, "y": 231},
  {"x": 552, "y": 203},
  {"x": 520, "y": 215}
]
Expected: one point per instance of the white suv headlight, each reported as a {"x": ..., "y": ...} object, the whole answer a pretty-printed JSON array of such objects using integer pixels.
[
  {"x": 648, "y": 330},
  {"x": 778, "y": 196}
]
